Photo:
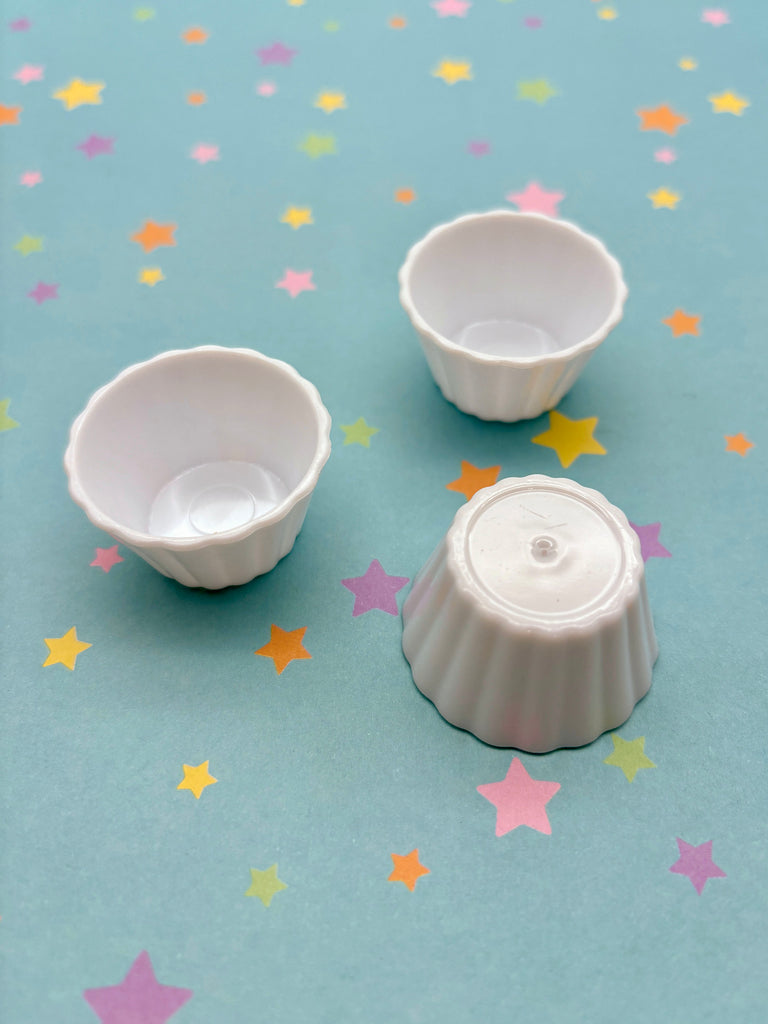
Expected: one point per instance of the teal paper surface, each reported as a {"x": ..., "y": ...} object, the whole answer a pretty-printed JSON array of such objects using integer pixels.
[{"x": 331, "y": 766}]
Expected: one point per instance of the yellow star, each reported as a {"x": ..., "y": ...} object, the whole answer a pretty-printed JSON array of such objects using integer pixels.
[
  {"x": 296, "y": 216},
  {"x": 295, "y": 3},
  {"x": 330, "y": 101},
  {"x": 570, "y": 438},
  {"x": 664, "y": 198},
  {"x": 78, "y": 93},
  {"x": 196, "y": 778},
  {"x": 727, "y": 103},
  {"x": 29, "y": 243},
  {"x": 265, "y": 884},
  {"x": 453, "y": 71},
  {"x": 606, "y": 13},
  {"x": 359, "y": 432},
  {"x": 629, "y": 756},
  {"x": 150, "y": 276},
  {"x": 6, "y": 422},
  {"x": 688, "y": 63},
  {"x": 64, "y": 649}
]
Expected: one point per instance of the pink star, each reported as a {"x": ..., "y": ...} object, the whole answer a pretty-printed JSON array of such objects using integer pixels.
[
  {"x": 138, "y": 998},
  {"x": 266, "y": 88},
  {"x": 20, "y": 25},
  {"x": 451, "y": 8},
  {"x": 96, "y": 144},
  {"x": 535, "y": 199},
  {"x": 650, "y": 545},
  {"x": 375, "y": 589},
  {"x": 204, "y": 153},
  {"x": 29, "y": 73},
  {"x": 533, "y": 22},
  {"x": 42, "y": 291},
  {"x": 297, "y": 281},
  {"x": 478, "y": 147},
  {"x": 666, "y": 155},
  {"x": 715, "y": 16},
  {"x": 30, "y": 178},
  {"x": 520, "y": 800},
  {"x": 696, "y": 862},
  {"x": 106, "y": 558},
  {"x": 277, "y": 53}
]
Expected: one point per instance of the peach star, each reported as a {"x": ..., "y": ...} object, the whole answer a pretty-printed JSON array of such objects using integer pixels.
[
  {"x": 194, "y": 35},
  {"x": 9, "y": 115},
  {"x": 660, "y": 119},
  {"x": 682, "y": 323},
  {"x": 472, "y": 479},
  {"x": 404, "y": 195},
  {"x": 196, "y": 98},
  {"x": 153, "y": 235},
  {"x": 407, "y": 869},
  {"x": 737, "y": 443},
  {"x": 397, "y": 22},
  {"x": 284, "y": 647}
]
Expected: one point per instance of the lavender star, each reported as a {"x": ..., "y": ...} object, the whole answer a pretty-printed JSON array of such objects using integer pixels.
[
  {"x": 650, "y": 546},
  {"x": 478, "y": 147},
  {"x": 277, "y": 53},
  {"x": 696, "y": 862},
  {"x": 375, "y": 589},
  {"x": 20, "y": 25},
  {"x": 43, "y": 291},
  {"x": 96, "y": 144},
  {"x": 138, "y": 997}
]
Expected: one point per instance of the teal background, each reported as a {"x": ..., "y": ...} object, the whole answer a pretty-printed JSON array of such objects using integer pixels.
[{"x": 338, "y": 762}]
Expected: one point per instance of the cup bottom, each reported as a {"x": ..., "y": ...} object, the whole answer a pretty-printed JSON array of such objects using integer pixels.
[
  {"x": 506, "y": 338},
  {"x": 214, "y": 497}
]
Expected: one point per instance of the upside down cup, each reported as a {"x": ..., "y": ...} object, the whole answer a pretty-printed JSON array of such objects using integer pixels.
[
  {"x": 202, "y": 461},
  {"x": 509, "y": 307},
  {"x": 530, "y": 625}
]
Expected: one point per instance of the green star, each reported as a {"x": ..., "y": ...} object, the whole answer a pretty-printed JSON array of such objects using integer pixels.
[
  {"x": 537, "y": 89},
  {"x": 143, "y": 13},
  {"x": 6, "y": 423},
  {"x": 28, "y": 243},
  {"x": 318, "y": 145},
  {"x": 265, "y": 884},
  {"x": 332, "y": 26},
  {"x": 629, "y": 756},
  {"x": 359, "y": 432}
]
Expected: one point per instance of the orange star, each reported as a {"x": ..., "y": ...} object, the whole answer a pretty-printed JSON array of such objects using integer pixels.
[
  {"x": 682, "y": 323},
  {"x": 153, "y": 235},
  {"x": 407, "y": 869},
  {"x": 404, "y": 195},
  {"x": 194, "y": 35},
  {"x": 473, "y": 479},
  {"x": 195, "y": 99},
  {"x": 397, "y": 22},
  {"x": 738, "y": 443},
  {"x": 284, "y": 647},
  {"x": 9, "y": 115},
  {"x": 661, "y": 119}
]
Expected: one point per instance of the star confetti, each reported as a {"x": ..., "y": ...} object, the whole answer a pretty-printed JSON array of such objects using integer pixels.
[
  {"x": 358, "y": 432},
  {"x": 715, "y": 16},
  {"x": 203, "y": 152},
  {"x": 375, "y": 590},
  {"x": 143, "y": 14},
  {"x": 284, "y": 647},
  {"x": 473, "y": 478},
  {"x": 532, "y": 22},
  {"x": 629, "y": 755},
  {"x": 43, "y": 292},
  {"x": 728, "y": 103},
  {"x": 138, "y": 998},
  {"x": 196, "y": 98},
  {"x": 29, "y": 73},
  {"x": 405, "y": 196},
  {"x": 737, "y": 443},
  {"x": 520, "y": 800},
  {"x": 661, "y": 119},
  {"x": 650, "y": 545},
  {"x": 107, "y": 558},
  {"x": 696, "y": 862},
  {"x": 9, "y": 115},
  {"x": 330, "y": 101},
  {"x": 478, "y": 147},
  {"x": 20, "y": 25},
  {"x": 79, "y": 93},
  {"x": 63, "y": 650},
  {"x": 277, "y": 53},
  {"x": 607, "y": 13},
  {"x": 664, "y": 199},
  {"x": 538, "y": 90},
  {"x": 96, "y": 145},
  {"x": 452, "y": 71},
  {"x": 397, "y": 22},
  {"x": 265, "y": 884},
  {"x": 296, "y": 281},
  {"x": 154, "y": 235},
  {"x": 570, "y": 438},
  {"x": 28, "y": 244},
  {"x": 450, "y": 8},
  {"x": 665, "y": 155},
  {"x": 195, "y": 36},
  {"x": 687, "y": 63},
  {"x": 682, "y": 323},
  {"x": 196, "y": 778},
  {"x": 6, "y": 421},
  {"x": 30, "y": 178},
  {"x": 407, "y": 869},
  {"x": 266, "y": 88},
  {"x": 151, "y": 276},
  {"x": 297, "y": 216},
  {"x": 535, "y": 199},
  {"x": 318, "y": 145}
]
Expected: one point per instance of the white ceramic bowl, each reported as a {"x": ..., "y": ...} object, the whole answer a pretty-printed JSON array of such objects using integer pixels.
[
  {"x": 509, "y": 307},
  {"x": 202, "y": 461},
  {"x": 530, "y": 625}
]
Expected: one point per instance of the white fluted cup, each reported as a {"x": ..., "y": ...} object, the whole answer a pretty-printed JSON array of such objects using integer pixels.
[
  {"x": 530, "y": 626},
  {"x": 509, "y": 307},
  {"x": 202, "y": 461}
]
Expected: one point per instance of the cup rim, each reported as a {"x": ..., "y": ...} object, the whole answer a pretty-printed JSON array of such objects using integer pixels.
[
  {"x": 139, "y": 539},
  {"x": 587, "y": 344}
]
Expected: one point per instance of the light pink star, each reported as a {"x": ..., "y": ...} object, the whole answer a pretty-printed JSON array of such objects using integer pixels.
[
  {"x": 451, "y": 8},
  {"x": 266, "y": 88},
  {"x": 204, "y": 153},
  {"x": 715, "y": 16},
  {"x": 520, "y": 800},
  {"x": 29, "y": 73},
  {"x": 296, "y": 281},
  {"x": 535, "y": 199},
  {"x": 666, "y": 155},
  {"x": 30, "y": 178},
  {"x": 106, "y": 558},
  {"x": 696, "y": 862}
]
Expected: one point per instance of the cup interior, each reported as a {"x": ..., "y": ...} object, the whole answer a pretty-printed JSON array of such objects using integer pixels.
[
  {"x": 196, "y": 443},
  {"x": 513, "y": 285}
]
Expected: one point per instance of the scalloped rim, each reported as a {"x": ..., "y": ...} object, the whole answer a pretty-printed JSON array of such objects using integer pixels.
[
  {"x": 522, "y": 362},
  {"x": 134, "y": 538},
  {"x": 625, "y": 592}
]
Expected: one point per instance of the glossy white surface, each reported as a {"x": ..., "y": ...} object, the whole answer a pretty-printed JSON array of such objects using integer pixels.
[
  {"x": 508, "y": 307},
  {"x": 530, "y": 625},
  {"x": 202, "y": 461}
]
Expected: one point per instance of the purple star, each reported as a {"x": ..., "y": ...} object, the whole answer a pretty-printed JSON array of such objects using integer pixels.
[
  {"x": 277, "y": 53},
  {"x": 650, "y": 546},
  {"x": 375, "y": 589},
  {"x": 20, "y": 25},
  {"x": 138, "y": 998},
  {"x": 696, "y": 862},
  {"x": 478, "y": 147},
  {"x": 94, "y": 145},
  {"x": 43, "y": 291},
  {"x": 533, "y": 22}
]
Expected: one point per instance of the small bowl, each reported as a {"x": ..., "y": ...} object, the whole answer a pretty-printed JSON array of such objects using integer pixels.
[
  {"x": 202, "y": 461},
  {"x": 530, "y": 626},
  {"x": 509, "y": 307}
]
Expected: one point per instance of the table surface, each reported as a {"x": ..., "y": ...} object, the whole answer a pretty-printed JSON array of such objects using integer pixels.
[{"x": 188, "y": 832}]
